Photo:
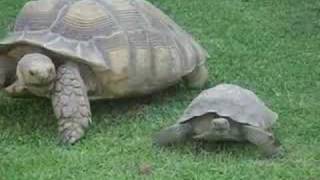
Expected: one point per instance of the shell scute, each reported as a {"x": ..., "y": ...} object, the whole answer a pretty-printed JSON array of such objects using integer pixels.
[{"x": 84, "y": 20}]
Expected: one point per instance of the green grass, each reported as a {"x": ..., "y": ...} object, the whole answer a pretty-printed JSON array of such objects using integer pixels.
[{"x": 269, "y": 46}]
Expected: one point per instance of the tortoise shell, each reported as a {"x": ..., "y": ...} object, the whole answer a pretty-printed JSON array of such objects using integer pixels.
[
  {"x": 130, "y": 45},
  {"x": 234, "y": 102}
]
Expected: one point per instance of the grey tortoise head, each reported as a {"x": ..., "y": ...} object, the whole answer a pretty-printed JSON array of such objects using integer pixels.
[{"x": 36, "y": 70}]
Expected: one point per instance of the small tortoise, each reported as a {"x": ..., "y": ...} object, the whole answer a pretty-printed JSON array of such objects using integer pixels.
[
  {"x": 225, "y": 113},
  {"x": 73, "y": 51}
]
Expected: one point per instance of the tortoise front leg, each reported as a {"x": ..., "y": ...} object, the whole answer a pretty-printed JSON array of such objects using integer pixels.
[
  {"x": 71, "y": 104},
  {"x": 175, "y": 134},
  {"x": 8, "y": 80},
  {"x": 7, "y": 71},
  {"x": 266, "y": 141},
  {"x": 17, "y": 89}
]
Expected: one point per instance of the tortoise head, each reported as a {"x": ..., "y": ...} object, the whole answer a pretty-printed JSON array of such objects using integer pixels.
[
  {"x": 36, "y": 70},
  {"x": 220, "y": 126}
]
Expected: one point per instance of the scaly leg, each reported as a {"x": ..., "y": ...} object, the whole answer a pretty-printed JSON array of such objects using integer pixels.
[
  {"x": 71, "y": 104},
  {"x": 17, "y": 89},
  {"x": 175, "y": 134},
  {"x": 264, "y": 140}
]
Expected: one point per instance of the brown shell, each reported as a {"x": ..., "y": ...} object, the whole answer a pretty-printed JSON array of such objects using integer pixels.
[{"x": 131, "y": 38}]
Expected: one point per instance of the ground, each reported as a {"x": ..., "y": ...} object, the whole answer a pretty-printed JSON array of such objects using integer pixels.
[{"x": 269, "y": 46}]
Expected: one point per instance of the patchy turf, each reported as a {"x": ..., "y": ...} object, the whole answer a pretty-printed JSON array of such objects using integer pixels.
[{"x": 269, "y": 46}]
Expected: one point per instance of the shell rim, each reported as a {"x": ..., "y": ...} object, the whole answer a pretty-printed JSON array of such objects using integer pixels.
[
  {"x": 185, "y": 118},
  {"x": 13, "y": 39}
]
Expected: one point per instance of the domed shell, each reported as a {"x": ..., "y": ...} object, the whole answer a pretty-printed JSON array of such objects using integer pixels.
[
  {"x": 100, "y": 32},
  {"x": 232, "y": 101}
]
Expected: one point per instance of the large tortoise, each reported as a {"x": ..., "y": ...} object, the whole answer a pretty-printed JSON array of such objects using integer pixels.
[
  {"x": 225, "y": 113},
  {"x": 73, "y": 51}
]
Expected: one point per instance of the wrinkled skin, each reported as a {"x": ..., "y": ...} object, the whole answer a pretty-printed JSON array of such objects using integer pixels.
[{"x": 36, "y": 74}]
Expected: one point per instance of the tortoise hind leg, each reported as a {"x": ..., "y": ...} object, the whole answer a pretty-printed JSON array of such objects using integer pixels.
[
  {"x": 71, "y": 104},
  {"x": 197, "y": 78},
  {"x": 177, "y": 133},
  {"x": 266, "y": 141}
]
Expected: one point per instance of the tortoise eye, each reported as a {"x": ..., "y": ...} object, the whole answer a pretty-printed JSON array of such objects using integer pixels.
[{"x": 32, "y": 73}]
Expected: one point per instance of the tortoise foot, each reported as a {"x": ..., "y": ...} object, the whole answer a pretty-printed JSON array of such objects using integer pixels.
[
  {"x": 278, "y": 152},
  {"x": 70, "y": 135}
]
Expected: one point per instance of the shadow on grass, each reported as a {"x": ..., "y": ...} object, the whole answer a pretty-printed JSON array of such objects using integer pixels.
[
  {"x": 230, "y": 148},
  {"x": 27, "y": 115},
  {"x": 129, "y": 107}
]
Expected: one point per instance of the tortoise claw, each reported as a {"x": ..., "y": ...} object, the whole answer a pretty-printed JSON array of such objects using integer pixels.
[{"x": 70, "y": 136}]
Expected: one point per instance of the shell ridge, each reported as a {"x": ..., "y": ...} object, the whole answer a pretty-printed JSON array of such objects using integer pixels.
[
  {"x": 59, "y": 16},
  {"x": 149, "y": 49},
  {"x": 52, "y": 42},
  {"x": 99, "y": 53},
  {"x": 142, "y": 14},
  {"x": 78, "y": 50},
  {"x": 132, "y": 53},
  {"x": 175, "y": 30},
  {"x": 110, "y": 11},
  {"x": 21, "y": 37}
]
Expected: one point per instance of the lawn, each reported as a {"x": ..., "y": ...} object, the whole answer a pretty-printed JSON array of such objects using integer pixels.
[{"x": 269, "y": 46}]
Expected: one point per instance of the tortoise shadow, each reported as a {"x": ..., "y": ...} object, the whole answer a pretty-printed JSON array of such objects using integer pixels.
[
  {"x": 126, "y": 107},
  {"x": 30, "y": 114},
  {"x": 24, "y": 116},
  {"x": 237, "y": 150}
]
